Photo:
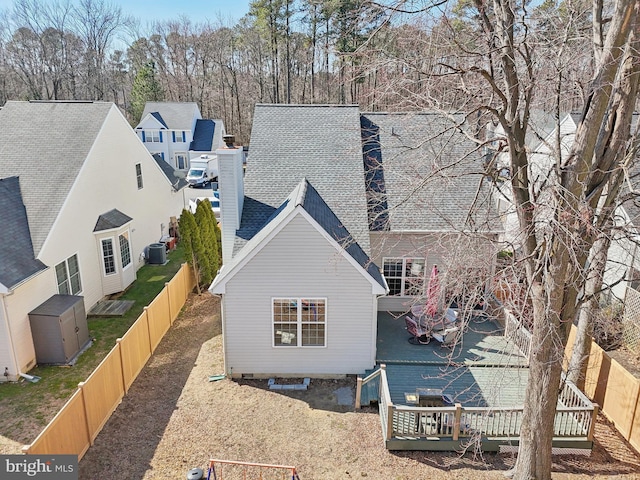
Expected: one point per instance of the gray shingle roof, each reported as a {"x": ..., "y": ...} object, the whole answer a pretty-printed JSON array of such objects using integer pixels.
[
  {"x": 318, "y": 142},
  {"x": 112, "y": 219},
  {"x": 177, "y": 183},
  {"x": 426, "y": 172},
  {"x": 45, "y": 144},
  {"x": 175, "y": 115},
  {"x": 17, "y": 261}
]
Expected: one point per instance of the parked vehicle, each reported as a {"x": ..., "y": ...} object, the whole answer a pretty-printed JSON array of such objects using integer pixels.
[
  {"x": 214, "y": 200},
  {"x": 203, "y": 170}
]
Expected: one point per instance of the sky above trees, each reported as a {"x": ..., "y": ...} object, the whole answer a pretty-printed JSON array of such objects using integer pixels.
[{"x": 157, "y": 10}]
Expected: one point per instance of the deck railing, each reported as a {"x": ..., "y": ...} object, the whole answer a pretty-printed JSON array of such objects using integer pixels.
[
  {"x": 574, "y": 418},
  {"x": 517, "y": 333}
]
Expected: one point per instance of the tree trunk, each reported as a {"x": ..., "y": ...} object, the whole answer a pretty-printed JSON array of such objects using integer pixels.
[{"x": 593, "y": 285}]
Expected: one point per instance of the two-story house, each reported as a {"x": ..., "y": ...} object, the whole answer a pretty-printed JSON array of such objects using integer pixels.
[
  {"x": 78, "y": 211},
  {"x": 177, "y": 132}
]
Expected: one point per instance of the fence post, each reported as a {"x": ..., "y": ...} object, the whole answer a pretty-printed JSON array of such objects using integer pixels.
[
  {"x": 168, "y": 288},
  {"x": 389, "y": 421},
  {"x": 358, "y": 392},
  {"x": 592, "y": 427},
  {"x": 146, "y": 316},
  {"x": 457, "y": 421},
  {"x": 124, "y": 377},
  {"x": 86, "y": 413}
]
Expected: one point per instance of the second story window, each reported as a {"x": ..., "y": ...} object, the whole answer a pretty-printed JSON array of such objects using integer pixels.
[
  {"x": 152, "y": 136},
  {"x": 139, "y": 175},
  {"x": 179, "y": 136}
]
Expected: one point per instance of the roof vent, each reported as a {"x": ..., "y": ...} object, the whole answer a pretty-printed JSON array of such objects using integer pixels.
[{"x": 229, "y": 140}]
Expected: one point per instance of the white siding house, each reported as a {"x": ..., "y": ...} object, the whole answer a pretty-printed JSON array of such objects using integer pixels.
[
  {"x": 329, "y": 197},
  {"x": 95, "y": 184},
  {"x": 177, "y": 132},
  {"x": 318, "y": 314}
]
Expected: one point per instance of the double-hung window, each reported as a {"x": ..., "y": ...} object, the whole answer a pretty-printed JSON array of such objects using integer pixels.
[
  {"x": 108, "y": 257},
  {"x": 68, "y": 276},
  {"x": 405, "y": 276},
  {"x": 299, "y": 322},
  {"x": 179, "y": 136},
  {"x": 152, "y": 136},
  {"x": 139, "y": 175}
]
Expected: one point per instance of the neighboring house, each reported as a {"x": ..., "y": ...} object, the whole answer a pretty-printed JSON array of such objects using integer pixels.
[
  {"x": 332, "y": 199},
  {"x": 177, "y": 132},
  {"x": 77, "y": 212},
  {"x": 623, "y": 263}
]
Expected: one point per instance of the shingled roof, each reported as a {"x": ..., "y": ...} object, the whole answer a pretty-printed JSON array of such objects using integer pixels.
[
  {"x": 203, "y": 136},
  {"x": 47, "y": 168},
  {"x": 424, "y": 174},
  {"x": 112, "y": 219},
  {"x": 321, "y": 143},
  {"x": 174, "y": 115},
  {"x": 17, "y": 261}
]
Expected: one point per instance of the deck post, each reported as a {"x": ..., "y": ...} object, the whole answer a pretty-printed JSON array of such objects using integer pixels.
[
  {"x": 389, "y": 421},
  {"x": 358, "y": 392},
  {"x": 594, "y": 416},
  {"x": 456, "y": 421}
]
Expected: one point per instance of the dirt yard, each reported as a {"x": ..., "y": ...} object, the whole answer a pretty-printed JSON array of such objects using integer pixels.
[{"x": 175, "y": 419}]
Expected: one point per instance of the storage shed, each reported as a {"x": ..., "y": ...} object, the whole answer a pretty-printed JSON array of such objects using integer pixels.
[{"x": 59, "y": 329}]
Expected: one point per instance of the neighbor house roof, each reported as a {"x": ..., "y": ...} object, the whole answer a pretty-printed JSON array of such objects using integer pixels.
[
  {"x": 17, "y": 261},
  {"x": 158, "y": 117},
  {"x": 321, "y": 143},
  {"x": 47, "y": 168},
  {"x": 306, "y": 197},
  {"x": 424, "y": 174},
  {"x": 174, "y": 115},
  {"x": 112, "y": 219},
  {"x": 203, "y": 136},
  {"x": 176, "y": 182}
]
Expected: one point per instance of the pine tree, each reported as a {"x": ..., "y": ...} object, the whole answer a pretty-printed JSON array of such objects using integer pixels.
[
  {"x": 146, "y": 88},
  {"x": 207, "y": 235}
]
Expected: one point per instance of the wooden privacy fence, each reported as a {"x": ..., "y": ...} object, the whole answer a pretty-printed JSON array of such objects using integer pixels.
[
  {"x": 612, "y": 387},
  {"x": 75, "y": 427}
]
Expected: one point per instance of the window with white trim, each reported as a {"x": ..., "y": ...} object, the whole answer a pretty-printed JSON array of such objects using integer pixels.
[
  {"x": 299, "y": 322},
  {"x": 108, "y": 257},
  {"x": 405, "y": 276},
  {"x": 182, "y": 162},
  {"x": 152, "y": 136},
  {"x": 125, "y": 250},
  {"x": 139, "y": 175},
  {"x": 179, "y": 136},
  {"x": 68, "y": 276}
]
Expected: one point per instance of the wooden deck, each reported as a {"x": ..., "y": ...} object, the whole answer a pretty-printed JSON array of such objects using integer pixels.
[
  {"x": 484, "y": 375},
  {"x": 472, "y": 373}
]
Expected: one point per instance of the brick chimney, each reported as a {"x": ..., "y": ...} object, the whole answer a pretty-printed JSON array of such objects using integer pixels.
[{"x": 231, "y": 188}]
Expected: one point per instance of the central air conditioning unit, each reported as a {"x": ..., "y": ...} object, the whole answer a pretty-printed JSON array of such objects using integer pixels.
[{"x": 157, "y": 254}]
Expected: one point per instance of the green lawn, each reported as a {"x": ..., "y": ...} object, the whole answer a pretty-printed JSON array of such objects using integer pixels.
[{"x": 24, "y": 404}]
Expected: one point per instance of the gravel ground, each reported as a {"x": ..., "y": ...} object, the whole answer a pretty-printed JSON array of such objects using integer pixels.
[{"x": 174, "y": 419}]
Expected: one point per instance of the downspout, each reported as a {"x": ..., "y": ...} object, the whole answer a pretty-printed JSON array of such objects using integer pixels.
[{"x": 5, "y": 315}]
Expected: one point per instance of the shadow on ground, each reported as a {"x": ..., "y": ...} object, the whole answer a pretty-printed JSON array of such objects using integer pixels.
[{"x": 322, "y": 394}]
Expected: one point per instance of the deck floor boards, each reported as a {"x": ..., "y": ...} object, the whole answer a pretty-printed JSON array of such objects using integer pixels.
[{"x": 483, "y": 370}]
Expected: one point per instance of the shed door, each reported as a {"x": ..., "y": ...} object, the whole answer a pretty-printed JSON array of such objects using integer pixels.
[{"x": 69, "y": 334}]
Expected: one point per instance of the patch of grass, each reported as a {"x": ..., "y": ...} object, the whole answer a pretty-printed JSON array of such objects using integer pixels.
[{"x": 23, "y": 402}]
